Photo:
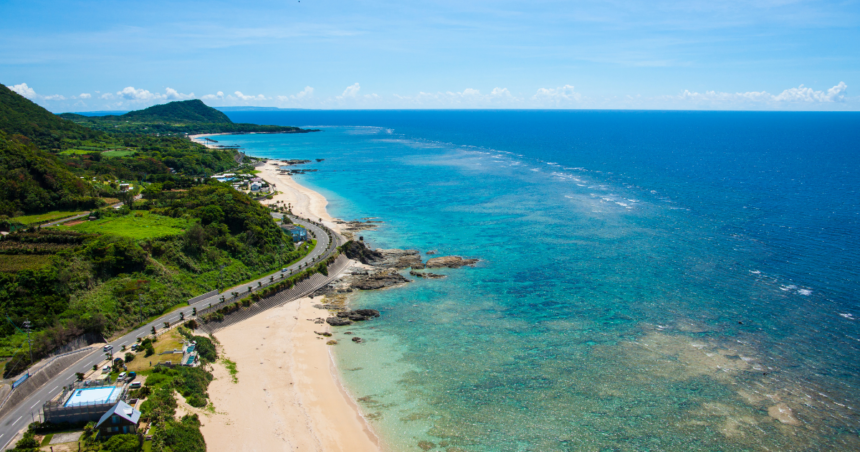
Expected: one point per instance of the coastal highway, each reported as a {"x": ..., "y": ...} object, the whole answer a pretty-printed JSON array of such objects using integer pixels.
[{"x": 29, "y": 409}]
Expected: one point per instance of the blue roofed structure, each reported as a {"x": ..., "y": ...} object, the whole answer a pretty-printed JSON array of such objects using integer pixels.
[
  {"x": 298, "y": 233},
  {"x": 120, "y": 419}
]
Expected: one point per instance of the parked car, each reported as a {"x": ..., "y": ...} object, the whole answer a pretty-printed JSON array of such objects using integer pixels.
[
  {"x": 134, "y": 347},
  {"x": 121, "y": 377},
  {"x": 105, "y": 369},
  {"x": 108, "y": 347},
  {"x": 135, "y": 385},
  {"x": 131, "y": 376}
]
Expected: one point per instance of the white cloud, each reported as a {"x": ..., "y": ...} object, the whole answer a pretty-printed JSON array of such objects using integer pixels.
[
  {"x": 307, "y": 92},
  {"x": 24, "y": 90},
  {"x": 85, "y": 95},
  {"x": 468, "y": 98},
  {"x": 557, "y": 96},
  {"x": 54, "y": 97},
  {"x": 791, "y": 95},
  {"x": 216, "y": 96},
  {"x": 803, "y": 94},
  {"x": 350, "y": 91},
  {"x": 241, "y": 96},
  {"x": 130, "y": 93},
  {"x": 172, "y": 94}
]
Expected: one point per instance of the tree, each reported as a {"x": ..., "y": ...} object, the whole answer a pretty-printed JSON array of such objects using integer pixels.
[
  {"x": 27, "y": 442},
  {"x": 153, "y": 330},
  {"x": 129, "y": 357},
  {"x": 123, "y": 443}
]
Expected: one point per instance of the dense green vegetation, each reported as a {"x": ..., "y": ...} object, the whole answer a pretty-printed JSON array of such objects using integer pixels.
[
  {"x": 32, "y": 180},
  {"x": 104, "y": 276},
  {"x": 173, "y": 119},
  {"x": 94, "y": 281}
]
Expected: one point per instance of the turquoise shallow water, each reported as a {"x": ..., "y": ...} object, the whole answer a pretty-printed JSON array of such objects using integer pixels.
[{"x": 648, "y": 281}]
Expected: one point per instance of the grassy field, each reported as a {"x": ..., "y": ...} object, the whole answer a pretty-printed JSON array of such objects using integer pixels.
[
  {"x": 46, "y": 217},
  {"x": 12, "y": 263},
  {"x": 79, "y": 151},
  {"x": 110, "y": 201},
  {"x": 165, "y": 342},
  {"x": 117, "y": 153},
  {"x": 140, "y": 225}
]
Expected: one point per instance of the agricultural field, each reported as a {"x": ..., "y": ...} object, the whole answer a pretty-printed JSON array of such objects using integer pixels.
[
  {"x": 46, "y": 217},
  {"x": 78, "y": 151},
  {"x": 117, "y": 153},
  {"x": 140, "y": 225},
  {"x": 13, "y": 263}
]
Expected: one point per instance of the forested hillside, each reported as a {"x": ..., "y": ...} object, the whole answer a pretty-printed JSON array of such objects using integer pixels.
[
  {"x": 32, "y": 180},
  {"x": 174, "y": 119},
  {"x": 114, "y": 267}
]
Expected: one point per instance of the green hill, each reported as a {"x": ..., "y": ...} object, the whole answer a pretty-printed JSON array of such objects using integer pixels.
[
  {"x": 32, "y": 180},
  {"x": 20, "y": 116},
  {"x": 180, "y": 111},
  {"x": 174, "y": 119}
]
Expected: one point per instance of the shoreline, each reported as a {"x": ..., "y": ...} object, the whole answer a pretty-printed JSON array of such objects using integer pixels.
[{"x": 289, "y": 393}]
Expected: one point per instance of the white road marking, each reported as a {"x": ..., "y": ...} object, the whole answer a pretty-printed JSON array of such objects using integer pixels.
[
  {"x": 16, "y": 420},
  {"x": 34, "y": 405},
  {"x": 55, "y": 387}
]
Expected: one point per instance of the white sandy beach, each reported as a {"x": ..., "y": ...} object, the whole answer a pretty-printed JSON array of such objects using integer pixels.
[{"x": 288, "y": 396}]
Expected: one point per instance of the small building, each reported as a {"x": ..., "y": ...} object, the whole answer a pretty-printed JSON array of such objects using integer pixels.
[
  {"x": 120, "y": 419},
  {"x": 255, "y": 186},
  {"x": 298, "y": 233},
  {"x": 125, "y": 187},
  {"x": 190, "y": 356}
]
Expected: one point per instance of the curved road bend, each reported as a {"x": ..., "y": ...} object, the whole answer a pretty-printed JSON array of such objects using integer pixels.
[{"x": 27, "y": 410}]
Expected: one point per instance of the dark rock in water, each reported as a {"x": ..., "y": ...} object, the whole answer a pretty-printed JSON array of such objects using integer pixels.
[
  {"x": 449, "y": 262},
  {"x": 379, "y": 281},
  {"x": 357, "y": 251},
  {"x": 432, "y": 252},
  {"x": 324, "y": 333},
  {"x": 337, "y": 321},
  {"x": 426, "y": 275},
  {"x": 418, "y": 266},
  {"x": 320, "y": 160},
  {"x": 358, "y": 315},
  {"x": 368, "y": 312},
  {"x": 357, "y": 340}
]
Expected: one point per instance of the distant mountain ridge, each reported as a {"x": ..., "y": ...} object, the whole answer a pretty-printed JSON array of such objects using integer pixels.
[
  {"x": 179, "y": 111},
  {"x": 174, "y": 119}
]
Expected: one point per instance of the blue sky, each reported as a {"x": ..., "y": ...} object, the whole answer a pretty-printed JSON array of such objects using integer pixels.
[{"x": 758, "y": 55}]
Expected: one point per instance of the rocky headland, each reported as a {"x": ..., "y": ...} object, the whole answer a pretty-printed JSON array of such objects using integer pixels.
[{"x": 374, "y": 270}]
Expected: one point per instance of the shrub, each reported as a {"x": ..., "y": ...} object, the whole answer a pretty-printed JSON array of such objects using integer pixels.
[
  {"x": 123, "y": 443},
  {"x": 129, "y": 357}
]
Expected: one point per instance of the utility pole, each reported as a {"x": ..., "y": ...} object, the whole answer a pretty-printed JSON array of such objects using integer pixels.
[{"x": 29, "y": 345}]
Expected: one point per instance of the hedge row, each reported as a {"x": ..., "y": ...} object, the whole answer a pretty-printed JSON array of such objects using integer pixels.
[{"x": 286, "y": 284}]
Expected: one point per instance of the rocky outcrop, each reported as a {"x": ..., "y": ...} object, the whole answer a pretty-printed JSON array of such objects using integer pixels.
[
  {"x": 379, "y": 280},
  {"x": 338, "y": 321},
  {"x": 449, "y": 262},
  {"x": 399, "y": 259},
  {"x": 359, "y": 315},
  {"x": 425, "y": 275},
  {"x": 357, "y": 251}
]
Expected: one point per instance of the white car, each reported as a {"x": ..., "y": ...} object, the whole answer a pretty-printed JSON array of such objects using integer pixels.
[
  {"x": 108, "y": 347},
  {"x": 105, "y": 369},
  {"x": 121, "y": 377}
]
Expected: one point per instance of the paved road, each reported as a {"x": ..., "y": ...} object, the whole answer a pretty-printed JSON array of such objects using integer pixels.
[{"x": 29, "y": 409}]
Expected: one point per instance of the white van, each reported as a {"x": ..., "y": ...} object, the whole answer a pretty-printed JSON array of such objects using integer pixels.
[{"x": 121, "y": 377}]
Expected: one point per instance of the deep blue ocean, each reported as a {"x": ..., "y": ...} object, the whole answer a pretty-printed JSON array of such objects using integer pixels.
[{"x": 648, "y": 280}]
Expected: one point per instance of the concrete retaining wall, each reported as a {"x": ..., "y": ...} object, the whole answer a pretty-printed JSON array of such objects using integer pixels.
[{"x": 38, "y": 379}]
